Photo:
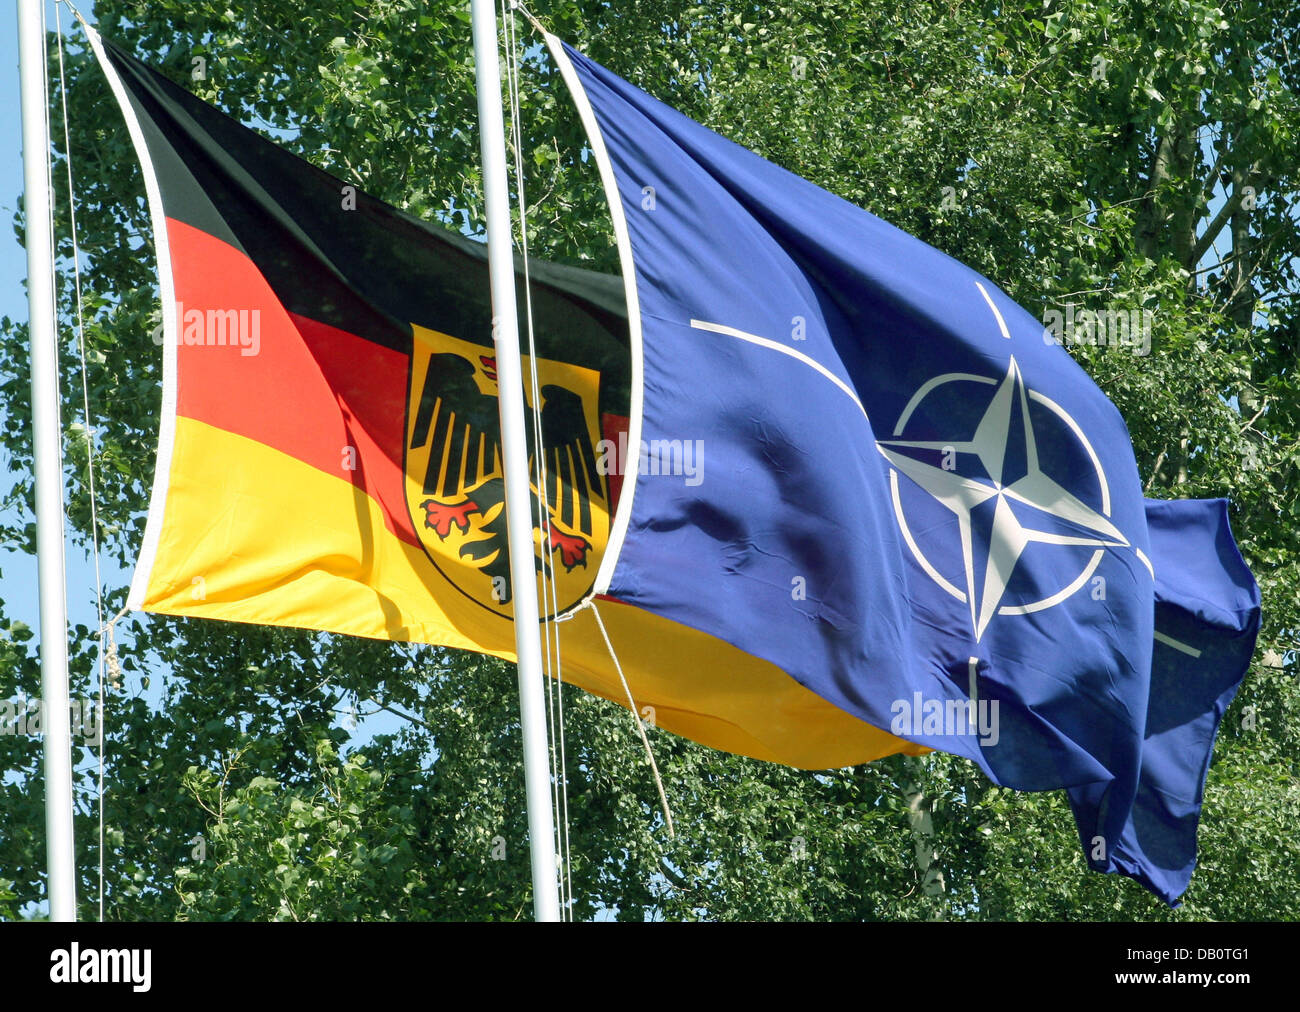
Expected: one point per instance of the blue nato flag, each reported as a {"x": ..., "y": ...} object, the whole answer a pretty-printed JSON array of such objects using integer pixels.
[{"x": 910, "y": 501}]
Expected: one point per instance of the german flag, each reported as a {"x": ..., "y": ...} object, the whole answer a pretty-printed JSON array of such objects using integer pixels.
[{"x": 329, "y": 454}]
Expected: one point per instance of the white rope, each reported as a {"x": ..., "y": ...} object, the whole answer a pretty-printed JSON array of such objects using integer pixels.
[
  {"x": 550, "y": 594},
  {"x": 590, "y": 602},
  {"x": 90, "y": 441},
  {"x": 518, "y": 5},
  {"x": 640, "y": 724}
]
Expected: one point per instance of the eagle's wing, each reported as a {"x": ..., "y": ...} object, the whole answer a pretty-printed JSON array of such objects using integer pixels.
[
  {"x": 462, "y": 423},
  {"x": 572, "y": 477}
]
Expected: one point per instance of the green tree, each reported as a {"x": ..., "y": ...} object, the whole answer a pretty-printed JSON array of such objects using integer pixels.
[{"x": 1079, "y": 152}]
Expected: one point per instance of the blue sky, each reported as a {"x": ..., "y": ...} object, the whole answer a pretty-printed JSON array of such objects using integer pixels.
[{"x": 18, "y": 571}]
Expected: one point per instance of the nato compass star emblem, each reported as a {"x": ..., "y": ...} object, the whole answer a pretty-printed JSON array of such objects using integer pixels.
[{"x": 1004, "y": 502}]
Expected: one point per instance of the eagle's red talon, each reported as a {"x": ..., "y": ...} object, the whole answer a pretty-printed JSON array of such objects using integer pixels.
[
  {"x": 573, "y": 549},
  {"x": 441, "y": 517}
]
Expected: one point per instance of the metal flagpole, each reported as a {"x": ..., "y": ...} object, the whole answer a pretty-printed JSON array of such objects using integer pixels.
[
  {"x": 47, "y": 456},
  {"x": 519, "y": 520}
]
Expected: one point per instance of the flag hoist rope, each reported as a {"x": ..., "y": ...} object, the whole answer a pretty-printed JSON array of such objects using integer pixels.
[
  {"x": 550, "y": 628},
  {"x": 640, "y": 724},
  {"x": 89, "y": 434},
  {"x": 551, "y": 625},
  {"x": 514, "y": 458}
]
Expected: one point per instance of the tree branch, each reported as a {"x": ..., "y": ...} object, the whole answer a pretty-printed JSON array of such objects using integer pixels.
[{"x": 1216, "y": 225}]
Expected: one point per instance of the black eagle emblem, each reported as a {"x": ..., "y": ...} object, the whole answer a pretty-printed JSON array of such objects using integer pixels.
[{"x": 463, "y": 483}]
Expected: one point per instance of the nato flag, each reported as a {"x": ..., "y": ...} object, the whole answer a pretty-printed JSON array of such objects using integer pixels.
[{"x": 907, "y": 499}]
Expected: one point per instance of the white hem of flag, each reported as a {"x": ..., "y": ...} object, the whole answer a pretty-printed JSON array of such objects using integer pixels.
[
  {"x": 167, "y": 292},
  {"x": 622, "y": 516}
]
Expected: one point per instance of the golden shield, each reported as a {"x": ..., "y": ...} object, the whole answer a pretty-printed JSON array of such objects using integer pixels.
[{"x": 455, "y": 489}]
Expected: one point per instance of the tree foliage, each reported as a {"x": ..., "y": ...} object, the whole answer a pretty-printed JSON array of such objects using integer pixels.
[{"x": 1080, "y": 152}]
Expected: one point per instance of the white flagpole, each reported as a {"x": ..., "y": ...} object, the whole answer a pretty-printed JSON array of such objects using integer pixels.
[
  {"x": 519, "y": 518},
  {"x": 48, "y": 465}
]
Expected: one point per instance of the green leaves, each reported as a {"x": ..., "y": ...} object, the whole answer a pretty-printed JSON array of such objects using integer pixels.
[{"x": 235, "y": 791}]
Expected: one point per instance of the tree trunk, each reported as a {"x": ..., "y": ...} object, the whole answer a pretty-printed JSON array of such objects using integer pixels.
[{"x": 919, "y": 816}]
